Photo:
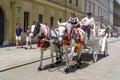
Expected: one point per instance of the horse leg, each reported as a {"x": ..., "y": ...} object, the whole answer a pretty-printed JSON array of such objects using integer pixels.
[
  {"x": 72, "y": 52},
  {"x": 79, "y": 60},
  {"x": 41, "y": 57},
  {"x": 60, "y": 54},
  {"x": 67, "y": 61},
  {"x": 57, "y": 58},
  {"x": 51, "y": 50},
  {"x": 56, "y": 51}
]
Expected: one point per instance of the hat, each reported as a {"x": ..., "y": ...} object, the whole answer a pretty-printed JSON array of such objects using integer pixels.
[
  {"x": 73, "y": 13},
  {"x": 89, "y": 13},
  {"x": 29, "y": 27}
]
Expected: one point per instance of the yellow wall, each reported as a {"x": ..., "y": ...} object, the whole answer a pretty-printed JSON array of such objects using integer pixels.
[{"x": 35, "y": 7}]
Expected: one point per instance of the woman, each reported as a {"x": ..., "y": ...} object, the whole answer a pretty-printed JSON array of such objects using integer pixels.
[{"x": 28, "y": 38}]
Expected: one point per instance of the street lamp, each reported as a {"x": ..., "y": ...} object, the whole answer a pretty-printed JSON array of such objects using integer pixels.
[{"x": 19, "y": 8}]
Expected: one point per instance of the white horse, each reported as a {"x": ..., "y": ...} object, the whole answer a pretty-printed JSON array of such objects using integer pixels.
[
  {"x": 42, "y": 31},
  {"x": 67, "y": 29},
  {"x": 54, "y": 38}
]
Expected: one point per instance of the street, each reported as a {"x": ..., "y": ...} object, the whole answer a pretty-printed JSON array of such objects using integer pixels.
[{"x": 107, "y": 68}]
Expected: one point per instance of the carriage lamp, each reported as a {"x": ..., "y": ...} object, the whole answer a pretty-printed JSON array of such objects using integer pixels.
[{"x": 19, "y": 8}]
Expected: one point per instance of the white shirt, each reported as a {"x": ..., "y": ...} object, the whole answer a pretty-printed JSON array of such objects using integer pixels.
[{"x": 88, "y": 21}]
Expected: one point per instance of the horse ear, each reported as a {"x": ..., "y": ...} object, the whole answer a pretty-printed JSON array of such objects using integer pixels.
[
  {"x": 58, "y": 22},
  {"x": 109, "y": 27},
  {"x": 103, "y": 25}
]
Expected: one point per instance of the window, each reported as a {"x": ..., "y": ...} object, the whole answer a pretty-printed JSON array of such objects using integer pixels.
[
  {"x": 85, "y": 8},
  {"x": 93, "y": 9},
  {"x": 101, "y": 12},
  {"x": 26, "y": 20},
  {"x": 40, "y": 18},
  {"x": 76, "y": 2},
  {"x": 60, "y": 20},
  {"x": 98, "y": 11},
  {"x": 51, "y": 21},
  {"x": 70, "y": 1},
  {"x": 89, "y": 6}
]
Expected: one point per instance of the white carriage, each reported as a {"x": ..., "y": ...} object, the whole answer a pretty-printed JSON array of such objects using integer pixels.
[{"x": 97, "y": 43}]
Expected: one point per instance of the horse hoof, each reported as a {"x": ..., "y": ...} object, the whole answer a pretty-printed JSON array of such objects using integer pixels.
[
  {"x": 60, "y": 61},
  {"x": 81, "y": 59},
  {"x": 56, "y": 62},
  {"x": 39, "y": 68},
  {"x": 52, "y": 66},
  {"x": 57, "y": 58},
  {"x": 73, "y": 66},
  {"x": 26, "y": 48},
  {"x": 78, "y": 66},
  {"x": 80, "y": 63},
  {"x": 66, "y": 70}
]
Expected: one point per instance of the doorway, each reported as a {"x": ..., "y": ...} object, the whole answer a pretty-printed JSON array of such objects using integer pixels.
[{"x": 1, "y": 26}]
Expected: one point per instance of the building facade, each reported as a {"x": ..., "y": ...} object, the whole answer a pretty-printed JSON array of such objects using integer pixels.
[
  {"x": 116, "y": 28},
  {"x": 116, "y": 13},
  {"x": 25, "y": 12},
  {"x": 102, "y": 10}
]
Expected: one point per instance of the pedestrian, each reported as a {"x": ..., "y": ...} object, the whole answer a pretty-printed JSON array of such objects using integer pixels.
[
  {"x": 18, "y": 35},
  {"x": 28, "y": 38}
]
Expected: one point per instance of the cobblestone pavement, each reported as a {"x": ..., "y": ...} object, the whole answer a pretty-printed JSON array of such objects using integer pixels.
[
  {"x": 11, "y": 57},
  {"x": 107, "y": 68}
]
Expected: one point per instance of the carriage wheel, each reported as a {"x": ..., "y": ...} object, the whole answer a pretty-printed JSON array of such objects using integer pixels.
[
  {"x": 106, "y": 50},
  {"x": 94, "y": 54}
]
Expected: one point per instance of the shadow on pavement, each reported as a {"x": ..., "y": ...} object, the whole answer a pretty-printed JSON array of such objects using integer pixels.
[{"x": 86, "y": 61}]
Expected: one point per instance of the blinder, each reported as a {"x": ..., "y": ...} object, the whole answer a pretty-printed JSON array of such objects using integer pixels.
[{"x": 37, "y": 29}]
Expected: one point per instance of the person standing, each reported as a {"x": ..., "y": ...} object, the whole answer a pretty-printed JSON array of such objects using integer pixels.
[
  {"x": 18, "y": 35},
  {"x": 28, "y": 38}
]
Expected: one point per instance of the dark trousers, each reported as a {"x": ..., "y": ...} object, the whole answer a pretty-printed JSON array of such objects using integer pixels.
[{"x": 87, "y": 29}]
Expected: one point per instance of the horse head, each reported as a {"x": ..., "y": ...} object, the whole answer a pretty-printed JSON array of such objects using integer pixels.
[
  {"x": 64, "y": 28},
  {"x": 53, "y": 33},
  {"x": 35, "y": 29}
]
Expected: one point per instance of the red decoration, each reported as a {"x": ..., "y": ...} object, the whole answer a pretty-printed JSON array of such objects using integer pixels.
[
  {"x": 81, "y": 41},
  {"x": 38, "y": 45},
  {"x": 67, "y": 37},
  {"x": 77, "y": 49},
  {"x": 78, "y": 25}
]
